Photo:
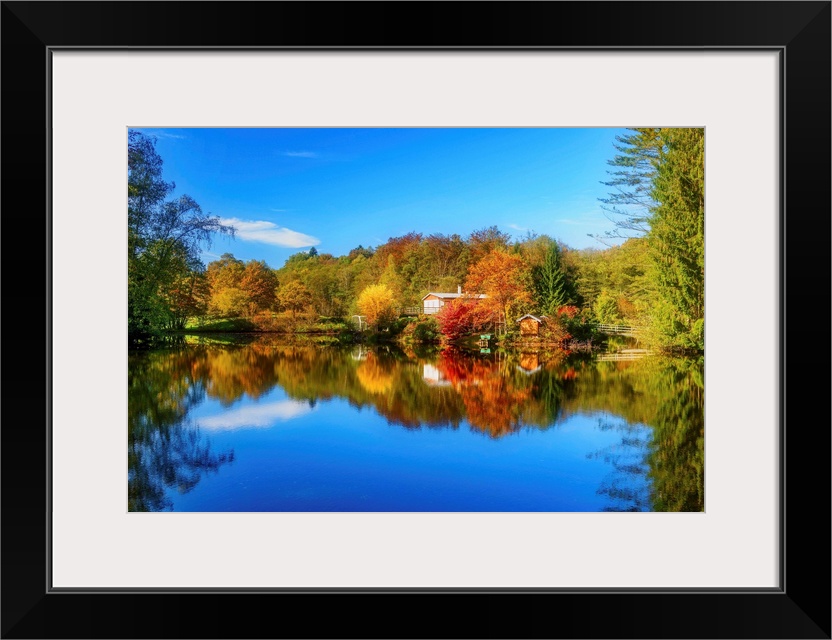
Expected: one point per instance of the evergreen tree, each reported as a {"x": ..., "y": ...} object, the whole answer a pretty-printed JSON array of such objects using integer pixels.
[
  {"x": 635, "y": 165},
  {"x": 677, "y": 239},
  {"x": 553, "y": 288}
]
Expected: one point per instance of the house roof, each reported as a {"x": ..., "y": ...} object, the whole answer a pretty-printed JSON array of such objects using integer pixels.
[
  {"x": 449, "y": 296},
  {"x": 535, "y": 318}
]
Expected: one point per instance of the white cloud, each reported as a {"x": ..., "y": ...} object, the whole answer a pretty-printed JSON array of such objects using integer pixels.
[
  {"x": 165, "y": 134},
  {"x": 517, "y": 227},
  {"x": 269, "y": 233},
  {"x": 300, "y": 154},
  {"x": 256, "y": 415}
]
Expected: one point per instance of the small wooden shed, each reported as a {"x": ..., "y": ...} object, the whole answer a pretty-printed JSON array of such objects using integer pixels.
[{"x": 530, "y": 325}]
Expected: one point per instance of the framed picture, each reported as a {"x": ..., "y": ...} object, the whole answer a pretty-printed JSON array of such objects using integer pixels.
[{"x": 78, "y": 76}]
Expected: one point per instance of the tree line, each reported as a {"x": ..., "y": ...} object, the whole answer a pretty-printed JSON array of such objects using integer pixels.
[{"x": 653, "y": 279}]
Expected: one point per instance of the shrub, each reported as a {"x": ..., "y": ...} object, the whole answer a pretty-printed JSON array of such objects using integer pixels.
[
  {"x": 581, "y": 325},
  {"x": 554, "y": 330},
  {"x": 458, "y": 318},
  {"x": 426, "y": 330}
]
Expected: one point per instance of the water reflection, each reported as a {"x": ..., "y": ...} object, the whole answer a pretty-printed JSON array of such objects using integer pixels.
[
  {"x": 650, "y": 411},
  {"x": 261, "y": 415},
  {"x": 165, "y": 449}
]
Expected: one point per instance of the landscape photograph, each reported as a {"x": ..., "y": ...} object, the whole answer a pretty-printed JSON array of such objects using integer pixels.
[{"x": 416, "y": 319}]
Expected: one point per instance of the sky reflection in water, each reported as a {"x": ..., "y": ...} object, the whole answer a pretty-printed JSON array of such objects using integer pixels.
[{"x": 269, "y": 427}]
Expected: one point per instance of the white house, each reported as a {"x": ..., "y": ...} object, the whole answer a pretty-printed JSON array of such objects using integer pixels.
[{"x": 434, "y": 301}]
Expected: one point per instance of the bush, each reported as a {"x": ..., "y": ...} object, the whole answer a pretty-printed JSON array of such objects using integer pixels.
[
  {"x": 554, "y": 330},
  {"x": 222, "y": 325},
  {"x": 426, "y": 330},
  {"x": 329, "y": 325},
  {"x": 397, "y": 326},
  {"x": 458, "y": 319},
  {"x": 579, "y": 324}
]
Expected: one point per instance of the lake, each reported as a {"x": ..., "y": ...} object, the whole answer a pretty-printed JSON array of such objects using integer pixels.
[{"x": 274, "y": 426}]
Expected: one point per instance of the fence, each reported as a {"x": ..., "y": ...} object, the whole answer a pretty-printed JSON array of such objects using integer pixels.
[
  {"x": 618, "y": 329},
  {"x": 417, "y": 311}
]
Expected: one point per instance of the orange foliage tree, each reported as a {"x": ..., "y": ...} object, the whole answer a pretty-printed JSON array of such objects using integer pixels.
[
  {"x": 293, "y": 297},
  {"x": 258, "y": 281},
  {"x": 504, "y": 277},
  {"x": 484, "y": 241},
  {"x": 240, "y": 288}
]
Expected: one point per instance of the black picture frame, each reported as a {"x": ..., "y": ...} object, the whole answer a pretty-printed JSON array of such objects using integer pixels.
[{"x": 799, "y": 31}]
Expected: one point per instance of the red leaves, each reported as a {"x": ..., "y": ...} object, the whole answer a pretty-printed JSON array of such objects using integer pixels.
[{"x": 457, "y": 318}]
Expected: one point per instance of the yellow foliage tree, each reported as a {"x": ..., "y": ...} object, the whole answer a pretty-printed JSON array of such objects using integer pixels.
[{"x": 377, "y": 303}]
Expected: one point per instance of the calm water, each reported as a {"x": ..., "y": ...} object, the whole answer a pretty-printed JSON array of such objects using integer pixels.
[{"x": 273, "y": 427}]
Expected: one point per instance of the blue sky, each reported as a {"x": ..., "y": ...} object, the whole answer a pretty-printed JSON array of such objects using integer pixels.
[{"x": 287, "y": 190}]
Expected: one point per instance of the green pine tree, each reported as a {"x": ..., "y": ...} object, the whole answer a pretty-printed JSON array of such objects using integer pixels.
[
  {"x": 553, "y": 288},
  {"x": 677, "y": 239},
  {"x": 633, "y": 171}
]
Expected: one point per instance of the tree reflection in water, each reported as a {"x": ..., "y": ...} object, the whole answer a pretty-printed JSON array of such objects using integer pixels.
[
  {"x": 176, "y": 457},
  {"x": 165, "y": 449},
  {"x": 656, "y": 404}
]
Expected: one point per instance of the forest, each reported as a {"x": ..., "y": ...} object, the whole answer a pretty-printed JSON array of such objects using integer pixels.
[{"x": 648, "y": 272}]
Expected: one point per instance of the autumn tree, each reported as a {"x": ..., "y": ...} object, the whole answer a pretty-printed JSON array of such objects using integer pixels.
[
  {"x": 377, "y": 303},
  {"x": 398, "y": 247},
  {"x": 458, "y": 318},
  {"x": 533, "y": 247},
  {"x": 328, "y": 299},
  {"x": 293, "y": 297},
  {"x": 224, "y": 277},
  {"x": 159, "y": 233},
  {"x": 258, "y": 282},
  {"x": 504, "y": 278},
  {"x": 444, "y": 258},
  {"x": 184, "y": 289},
  {"x": 620, "y": 273},
  {"x": 360, "y": 250},
  {"x": 240, "y": 288},
  {"x": 483, "y": 241},
  {"x": 401, "y": 269}
]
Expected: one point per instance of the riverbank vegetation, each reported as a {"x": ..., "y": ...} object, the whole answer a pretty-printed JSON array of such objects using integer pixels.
[{"x": 649, "y": 276}]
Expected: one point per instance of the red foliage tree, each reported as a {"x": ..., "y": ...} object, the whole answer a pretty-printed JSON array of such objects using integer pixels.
[
  {"x": 569, "y": 311},
  {"x": 458, "y": 318}
]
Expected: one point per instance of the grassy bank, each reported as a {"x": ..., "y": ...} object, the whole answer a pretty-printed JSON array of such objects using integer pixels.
[{"x": 270, "y": 323}]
